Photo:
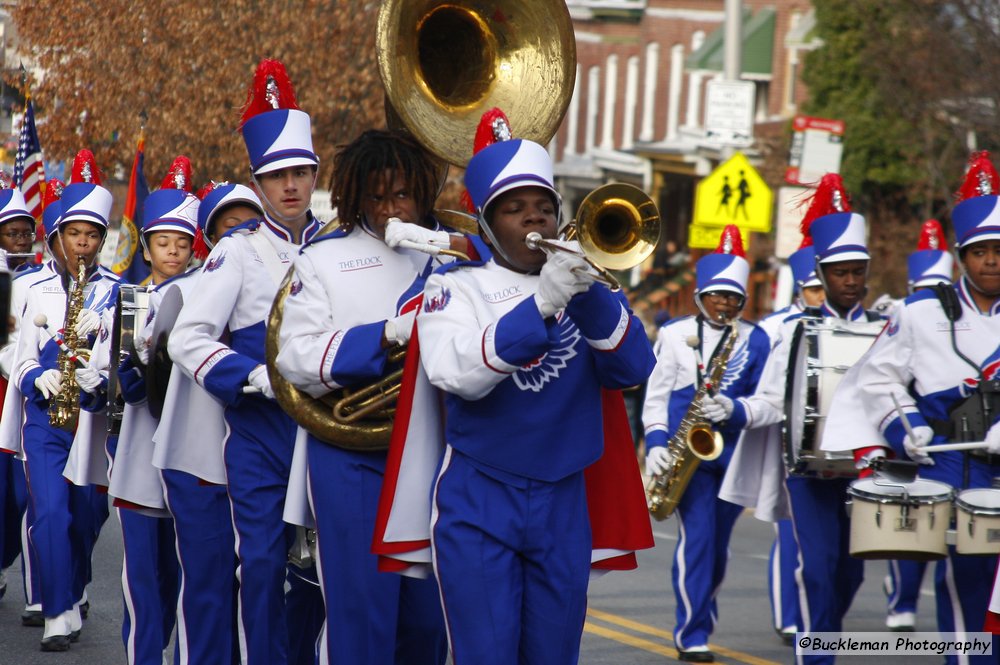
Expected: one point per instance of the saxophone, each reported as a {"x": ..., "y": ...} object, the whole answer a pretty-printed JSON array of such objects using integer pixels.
[
  {"x": 694, "y": 440},
  {"x": 64, "y": 408}
]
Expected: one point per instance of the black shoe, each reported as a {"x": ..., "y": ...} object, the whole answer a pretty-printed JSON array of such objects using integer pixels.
[
  {"x": 32, "y": 619},
  {"x": 84, "y": 609},
  {"x": 787, "y": 638},
  {"x": 56, "y": 643},
  {"x": 74, "y": 636},
  {"x": 696, "y": 656}
]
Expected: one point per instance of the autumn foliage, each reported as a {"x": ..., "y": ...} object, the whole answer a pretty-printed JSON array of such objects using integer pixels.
[{"x": 188, "y": 66}]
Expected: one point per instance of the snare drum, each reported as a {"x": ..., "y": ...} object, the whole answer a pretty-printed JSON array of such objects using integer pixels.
[
  {"x": 131, "y": 309},
  {"x": 899, "y": 521},
  {"x": 977, "y": 521},
  {"x": 820, "y": 354}
]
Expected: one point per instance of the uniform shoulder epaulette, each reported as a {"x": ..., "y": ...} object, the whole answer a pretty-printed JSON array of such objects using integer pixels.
[
  {"x": 679, "y": 319},
  {"x": 249, "y": 226},
  {"x": 21, "y": 272},
  {"x": 107, "y": 274},
  {"x": 339, "y": 232},
  {"x": 454, "y": 265}
]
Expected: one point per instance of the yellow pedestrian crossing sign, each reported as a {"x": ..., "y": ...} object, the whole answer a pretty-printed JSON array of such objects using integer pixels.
[{"x": 734, "y": 193}]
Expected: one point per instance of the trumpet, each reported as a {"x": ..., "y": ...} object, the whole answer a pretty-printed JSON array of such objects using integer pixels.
[{"x": 617, "y": 226}]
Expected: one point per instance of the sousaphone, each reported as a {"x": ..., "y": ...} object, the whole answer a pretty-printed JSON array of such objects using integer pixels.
[{"x": 443, "y": 65}]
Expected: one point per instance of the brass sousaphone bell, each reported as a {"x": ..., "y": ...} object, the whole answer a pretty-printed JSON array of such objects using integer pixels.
[{"x": 443, "y": 64}]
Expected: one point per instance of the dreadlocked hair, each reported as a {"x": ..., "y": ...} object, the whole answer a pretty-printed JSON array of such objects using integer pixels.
[{"x": 372, "y": 154}]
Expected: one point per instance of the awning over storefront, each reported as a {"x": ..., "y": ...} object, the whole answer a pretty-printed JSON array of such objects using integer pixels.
[{"x": 758, "y": 47}]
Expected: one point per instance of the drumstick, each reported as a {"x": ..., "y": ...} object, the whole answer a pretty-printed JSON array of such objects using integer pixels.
[
  {"x": 250, "y": 390},
  {"x": 42, "y": 322},
  {"x": 695, "y": 344},
  {"x": 965, "y": 445}
]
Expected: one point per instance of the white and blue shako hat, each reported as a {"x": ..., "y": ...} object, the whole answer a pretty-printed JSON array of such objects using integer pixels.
[
  {"x": 52, "y": 206},
  {"x": 84, "y": 199},
  {"x": 13, "y": 206},
  {"x": 172, "y": 207},
  {"x": 215, "y": 197},
  {"x": 930, "y": 264},
  {"x": 838, "y": 234},
  {"x": 803, "y": 264},
  {"x": 725, "y": 270},
  {"x": 276, "y": 132},
  {"x": 976, "y": 217}
]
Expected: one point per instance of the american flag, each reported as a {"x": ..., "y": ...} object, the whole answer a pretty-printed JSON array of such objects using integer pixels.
[{"x": 29, "y": 173}]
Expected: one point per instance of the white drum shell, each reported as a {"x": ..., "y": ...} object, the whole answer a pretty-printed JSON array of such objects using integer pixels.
[
  {"x": 885, "y": 525},
  {"x": 977, "y": 521}
]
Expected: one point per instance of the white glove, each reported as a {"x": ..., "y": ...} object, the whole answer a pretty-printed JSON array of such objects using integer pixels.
[
  {"x": 658, "y": 460},
  {"x": 49, "y": 383},
  {"x": 142, "y": 350},
  {"x": 413, "y": 236},
  {"x": 914, "y": 446},
  {"x": 993, "y": 439},
  {"x": 88, "y": 378},
  {"x": 258, "y": 379},
  {"x": 562, "y": 277},
  {"x": 398, "y": 329},
  {"x": 717, "y": 408},
  {"x": 87, "y": 322}
]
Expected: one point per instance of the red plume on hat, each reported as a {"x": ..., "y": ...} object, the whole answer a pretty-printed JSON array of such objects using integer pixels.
[
  {"x": 85, "y": 169},
  {"x": 981, "y": 179},
  {"x": 53, "y": 191},
  {"x": 178, "y": 175},
  {"x": 731, "y": 242},
  {"x": 830, "y": 197},
  {"x": 208, "y": 189},
  {"x": 931, "y": 235},
  {"x": 271, "y": 90},
  {"x": 493, "y": 128}
]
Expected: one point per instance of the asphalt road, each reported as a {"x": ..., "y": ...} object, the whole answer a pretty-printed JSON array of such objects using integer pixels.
[{"x": 631, "y": 614}]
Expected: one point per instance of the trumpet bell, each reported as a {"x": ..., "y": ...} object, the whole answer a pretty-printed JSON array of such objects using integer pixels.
[
  {"x": 444, "y": 63},
  {"x": 618, "y": 226}
]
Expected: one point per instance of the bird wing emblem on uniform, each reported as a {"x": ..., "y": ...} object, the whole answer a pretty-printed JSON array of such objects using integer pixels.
[
  {"x": 215, "y": 263},
  {"x": 535, "y": 375},
  {"x": 734, "y": 369}
]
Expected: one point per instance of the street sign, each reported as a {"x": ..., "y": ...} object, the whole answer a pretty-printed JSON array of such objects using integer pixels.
[
  {"x": 707, "y": 237},
  {"x": 729, "y": 112},
  {"x": 734, "y": 193},
  {"x": 817, "y": 146}
]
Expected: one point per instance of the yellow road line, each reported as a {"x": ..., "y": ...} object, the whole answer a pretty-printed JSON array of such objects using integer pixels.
[{"x": 648, "y": 645}]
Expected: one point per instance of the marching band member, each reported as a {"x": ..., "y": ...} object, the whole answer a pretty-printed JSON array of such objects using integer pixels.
[
  {"x": 704, "y": 521},
  {"x": 235, "y": 290},
  {"x": 17, "y": 229},
  {"x": 150, "y": 572},
  {"x": 784, "y": 556},
  {"x": 932, "y": 379},
  {"x": 929, "y": 265},
  {"x": 63, "y": 527},
  {"x": 10, "y": 421},
  {"x": 521, "y": 347},
  {"x": 188, "y": 451},
  {"x": 354, "y": 298},
  {"x": 828, "y": 576}
]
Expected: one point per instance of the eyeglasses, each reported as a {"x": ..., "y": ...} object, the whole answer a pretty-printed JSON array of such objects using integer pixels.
[
  {"x": 18, "y": 235},
  {"x": 719, "y": 297}
]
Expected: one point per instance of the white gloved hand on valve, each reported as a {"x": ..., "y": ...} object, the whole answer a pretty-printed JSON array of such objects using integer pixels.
[
  {"x": 49, "y": 383},
  {"x": 87, "y": 322},
  {"x": 993, "y": 439},
  {"x": 562, "y": 277},
  {"x": 398, "y": 329},
  {"x": 258, "y": 379},
  {"x": 717, "y": 408},
  {"x": 413, "y": 236},
  {"x": 658, "y": 460},
  {"x": 914, "y": 446},
  {"x": 89, "y": 379}
]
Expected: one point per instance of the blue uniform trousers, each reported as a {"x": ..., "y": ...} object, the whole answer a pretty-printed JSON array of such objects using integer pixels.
[
  {"x": 783, "y": 561},
  {"x": 828, "y": 576},
  {"x": 29, "y": 562},
  {"x": 258, "y": 455},
  {"x": 62, "y": 532},
  {"x": 962, "y": 583},
  {"x": 512, "y": 556},
  {"x": 149, "y": 586},
  {"x": 903, "y": 585},
  {"x": 372, "y": 617},
  {"x": 206, "y": 606},
  {"x": 704, "y": 523}
]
